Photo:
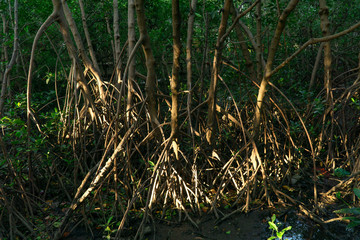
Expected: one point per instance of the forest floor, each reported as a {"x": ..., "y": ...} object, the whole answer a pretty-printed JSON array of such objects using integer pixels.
[{"x": 239, "y": 226}]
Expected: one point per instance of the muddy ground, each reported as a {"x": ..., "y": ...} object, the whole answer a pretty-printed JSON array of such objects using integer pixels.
[{"x": 239, "y": 226}]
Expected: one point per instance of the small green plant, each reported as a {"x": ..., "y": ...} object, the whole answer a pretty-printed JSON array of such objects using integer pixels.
[
  {"x": 109, "y": 228},
  {"x": 338, "y": 196},
  {"x": 352, "y": 211},
  {"x": 275, "y": 229},
  {"x": 169, "y": 214},
  {"x": 340, "y": 172}
]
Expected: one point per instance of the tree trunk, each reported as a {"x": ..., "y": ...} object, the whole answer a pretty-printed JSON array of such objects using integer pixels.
[
  {"x": 273, "y": 47},
  {"x": 132, "y": 42},
  {"x": 244, "y": 49},
  {"x": 4, "y": 86},
  {"x": 150, "y": 85},
  {"x": 258, "y": 45},
  {"x": 324, "y": 24},
  {"x": 108, "y": 29},
  {"x": 261, "y": 94},
  {"x": 210, "y": 128},
  {"x": 204, "y": 65},
  {"x": 118, "y": 81},
  {"x": 80, "y": 79},
  {"x": 4, "y": 53},
  {"x": 88, "y": 64},
  {"x": 87, "y": 36},
  {"x": 189, "y": 40},
  {"x": 251, "y": 38},
  {"x": 324, "y": 18},
  {"x": 316, "y": 66},
  {"x": 174, "y": 81},
  {"x": 48, "y": 22}
]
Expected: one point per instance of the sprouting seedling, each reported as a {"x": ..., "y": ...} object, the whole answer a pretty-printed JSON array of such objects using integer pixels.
[{"x": 275, "y": 228}]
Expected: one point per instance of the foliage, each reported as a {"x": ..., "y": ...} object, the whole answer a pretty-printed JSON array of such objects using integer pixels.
[
  {"x": 109, "y": 228},
  {"x": 275, "y": 229},
  {"x": 353, "y": 212},
  {"x": 340, "y": 172}
]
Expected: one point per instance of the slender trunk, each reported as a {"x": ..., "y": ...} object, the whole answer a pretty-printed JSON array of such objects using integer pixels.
[
  {"x": 150, "y": 85},
  {"x": 324, "y": 18},
  {"x": 273, "y": 47},
  {"x": 214, "y": 75},
  {"x": 258, "y": 43},
  {"x": 189, "y": 39},
  {"x": 132, "y": 42},
  {"x": 65, "y": 32},
  {"x": 278, "y": 8},
  {"x": 255, "y": 158},
  {"x": 108, "y": 29},
  {"x": 4, "y": 53},
  {"x": 88, "y": 64},
  {"x": 87, "y": 36},
  {"x": 174, "y": 82},
  {"x": 4, "y": 87},
  {"x": 118, "y": 80},
  {"x": 243, "y": 45},
  {"x": 48, "y": 22},
  {"x": 316, "y": 66},
  {"x": 324, "y": 24},
  {"x": 204, "y": 64},
  {"x": 116, "y": 31},
  {"x": 251, "y": 38}
]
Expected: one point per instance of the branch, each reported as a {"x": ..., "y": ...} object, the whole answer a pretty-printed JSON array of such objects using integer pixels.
[
  {"x": 311, "y": 42},
  {"x": 237, "y": 19}
]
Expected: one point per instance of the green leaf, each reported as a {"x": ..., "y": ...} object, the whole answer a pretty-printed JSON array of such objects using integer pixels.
[
  {"x": 340, "y": 172},
  {"x": 354, "y": 224},
  {"x": 357, "y": 192},
  {"x": 228, "y": 232},
  {"x": 273, "y": 217},
  {"x": 271, "y": 238},
  {"x": 18, "y": 134},
  {"x": 57, "y": 224},
  {"x": 273, "y": 226},
  {"x": 351, "y": 218},
  {"x": 349, "y": 211},
  {"x": 109, "y": 220},
  {"x": 19, "y": 122},
  {"x": 338, "y": 195},
  {"x": 282, "y": 232},
  {"x": 2, "y": 162},
  {"x": 286, "y": 229}
]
